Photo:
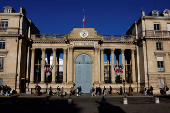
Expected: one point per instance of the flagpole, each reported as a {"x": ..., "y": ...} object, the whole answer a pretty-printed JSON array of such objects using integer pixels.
[{"x": 83, "y": 18}]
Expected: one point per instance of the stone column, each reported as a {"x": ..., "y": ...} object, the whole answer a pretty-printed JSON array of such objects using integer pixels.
[
  {"x": 48, "y": 57},
  {"x": 108, "y": 64},
  {"x": 64, "y": 65},
  {"x": 112, "y": 66},
  {"x": 32, "y": 65},
  {"x": 133, "y": 66},
  {"x": 54, "y": 65},
  {"x": 102, "y": 65},
  {"x": 28, "y": 64},
  {"x": 96, "y": 72},
  {"x": 123, "y": 63},
  {"x": 42, "y": 65},
  {"x": 57, "y": 65},
  {"x": 71, "y": 66}
]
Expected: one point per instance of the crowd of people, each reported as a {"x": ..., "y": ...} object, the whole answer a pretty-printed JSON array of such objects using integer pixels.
[{"x": 5, "y": 90}]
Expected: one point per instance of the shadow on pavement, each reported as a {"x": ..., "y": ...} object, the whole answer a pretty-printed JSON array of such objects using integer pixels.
[
  {"x": 105, "y": 107},
  {"x": 31, "y": 105}
]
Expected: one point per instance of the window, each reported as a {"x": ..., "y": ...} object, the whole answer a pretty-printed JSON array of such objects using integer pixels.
[
  {"x": 2, "y": 45},
  {"x": 1, "y": 63},
  {"x": 8, "y": 11},
  {"x": 156, "y": 26},
  {"x": 159, "y": 46},
  {"x": 4, "y": 23},
  {"x": 160, "y": 63},
  {"x": 161, "y": 82}
]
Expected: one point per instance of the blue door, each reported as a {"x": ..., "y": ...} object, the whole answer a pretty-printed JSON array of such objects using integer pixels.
[
  {"x": 84, "y": 73},
  {"x": 1, "y": 81}
]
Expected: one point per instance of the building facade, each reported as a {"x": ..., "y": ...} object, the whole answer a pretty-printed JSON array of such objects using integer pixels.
[{"x": 25, "y": 55}]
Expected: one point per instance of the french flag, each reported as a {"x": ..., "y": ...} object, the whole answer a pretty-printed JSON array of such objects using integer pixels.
[{"x": 83, "y": 18}]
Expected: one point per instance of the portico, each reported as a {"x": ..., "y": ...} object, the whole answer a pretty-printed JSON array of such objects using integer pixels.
[{"x": 94, "y": 46}]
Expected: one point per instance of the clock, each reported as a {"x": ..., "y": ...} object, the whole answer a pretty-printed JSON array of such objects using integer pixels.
[{"x": 83, "y": 33}]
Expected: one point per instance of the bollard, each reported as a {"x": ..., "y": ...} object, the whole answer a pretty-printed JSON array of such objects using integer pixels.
[
  {"x": 103, "y": 100},
  {"x": 12, "y": 101},
  {"x": 69, "y": 101},
  {"x": 125, "y": 101},
  {"x": 47, "y": 101},
  {"x": 157, "y": 100}
]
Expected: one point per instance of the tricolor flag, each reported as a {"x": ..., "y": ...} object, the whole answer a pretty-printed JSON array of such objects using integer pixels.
[
  {"x": 83, "y": 18},
  {"x": 45, "y": 68}
]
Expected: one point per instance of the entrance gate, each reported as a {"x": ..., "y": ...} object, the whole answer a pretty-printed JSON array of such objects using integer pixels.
[{"x": 84, "y": 73}]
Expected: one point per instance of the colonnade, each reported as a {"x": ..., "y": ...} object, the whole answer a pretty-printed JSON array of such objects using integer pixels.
[
  {"x": 98, "y": 56},
  {"x": 43, "y": 64},
  {"x": 123, "y": 64}
]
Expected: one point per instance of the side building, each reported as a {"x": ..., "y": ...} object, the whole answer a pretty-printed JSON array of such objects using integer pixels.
[
  {"x": 152, "y": 33},
  {"x": 15, "y": 32}
]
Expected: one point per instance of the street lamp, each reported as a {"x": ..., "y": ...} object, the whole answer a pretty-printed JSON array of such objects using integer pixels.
[
  {"x": 36, "y": 94},
  {"x": 130, "y": 94},
  {"x": 124, "y": 85}
]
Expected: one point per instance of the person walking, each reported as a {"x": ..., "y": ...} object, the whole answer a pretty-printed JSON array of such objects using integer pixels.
[
  {"x": 0, "y": 90},
  {"x": 144, "y": 90},
  {"x": 104, "y": 91},
  {"x": 93, "y": 90},
  {"x": 110, "y": 92},
  {"x": 167, "y": 89},
  {"x": 58, "y": 91},
  {"x": 151, "y": 90}
]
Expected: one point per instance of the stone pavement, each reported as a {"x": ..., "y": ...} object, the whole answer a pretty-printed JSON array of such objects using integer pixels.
[{"x": 138, "y": 103}]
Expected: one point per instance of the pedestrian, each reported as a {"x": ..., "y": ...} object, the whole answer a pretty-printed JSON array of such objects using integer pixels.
[
  {"x": 104, "y": 91},
  {"x": 51, "y": 92},
  {"x": 100, "y": 91},
  {"x": 120, "y": 91},
  {"x": 93, "y": 90},
  {"x": 151, "y": 90},
  {"x": 0, "y": 90},
  {"x": 58, "y": 91},
  {"x": 110, "y": 92},
  {"x": 144, "y": 90},
  {"x": 62, "y": 91},
  {"x": 6, "y": 90},
  {"x": 167, "y": 89},
  {"x": 97, "y": 90},
  {"x": 131, "y": 90},
  {"x": 80, "y": 90},
  {"x": 35, "y": 89}
]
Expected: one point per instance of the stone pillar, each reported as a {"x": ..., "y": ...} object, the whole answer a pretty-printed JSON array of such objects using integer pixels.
[
  {"x": 112, "y": 66},
  {"x": 71, "y": 66},
  {"x": 102, "y": 65},
  {"x": 123, "y": 63},
  {"x": 48, "y": 57},
  {"x": 54, "y": 65},
  {"x": 96, "y": 63},
  {"x": 64, "y": 65},
  {"x": 108, "y": 64},
  {"x": 28, "y": 64},
  {"x": 133, "y": 66},
  {"x": 32, "y": 65},
  {"x": 57, "y": 65},
  {"x": 42, "y": 65}
]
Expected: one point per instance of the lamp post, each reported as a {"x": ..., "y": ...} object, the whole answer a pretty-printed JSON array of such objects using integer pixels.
[
  {"x": 36, "y": 94},
  {"x": 124, "y": 85},
  {"x": 130, "y": 94}
]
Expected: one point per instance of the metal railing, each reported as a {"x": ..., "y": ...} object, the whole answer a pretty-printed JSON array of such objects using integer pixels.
[
  {"x": 49, "y": 36},
  {"x": 118, "y": 37},
  {"x": 157, "y": 33},
  {"x": 9, "y": 30}
]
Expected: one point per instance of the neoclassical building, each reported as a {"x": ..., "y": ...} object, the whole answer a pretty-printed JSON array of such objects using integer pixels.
[{"x": 140, "y": 58}]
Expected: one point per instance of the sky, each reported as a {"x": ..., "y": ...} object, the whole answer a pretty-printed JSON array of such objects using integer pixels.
[{"x": 108, "y": 17}]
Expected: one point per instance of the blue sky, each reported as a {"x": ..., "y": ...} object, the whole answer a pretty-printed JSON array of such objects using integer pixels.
[{"x": 109, "y": 17}]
